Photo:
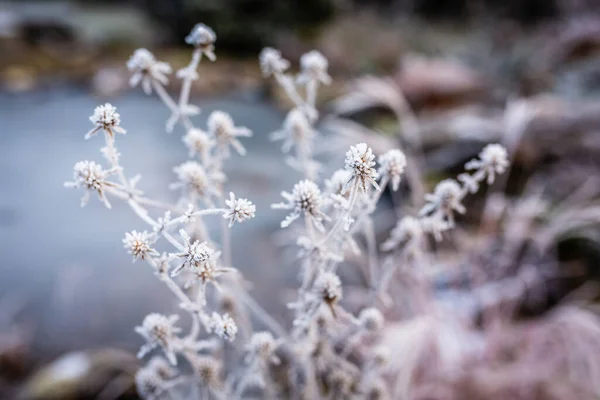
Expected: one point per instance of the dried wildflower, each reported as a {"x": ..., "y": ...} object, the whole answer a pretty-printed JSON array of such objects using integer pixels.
[
  {"x": 198, "y": 256},
  {"x": 297, "y": 131},
  {"x": 239, "y": 209},
  {"x": 493, "y": 159},
  {"x": 159, "y": 330},
  {"x": 221, "y": 127},
  {"x": 203, "y": 38},
  {"x": 195, "y": 181},
  {"x": 198, "y": 142},
  {"x": 305, "y": 198},
  {"x": 207, "y": 369},
  {"x": 147, "y": 70},
  {"x": 263, "y": 344},
  {"x": 329, "y": 287},
  {"x": 271, "y": 62},
  {"x": 446, "y": 199},
  {"x": 408, "y": 229},
  {"x": 391, "y": 166},
  {"x": 92, "y": 177},
  {"x": 360, "y": 161},
  {"x": 148, "y": 383},
  {"x": 371, "y": 319},
  {"x": 138, "y": 244},
  {"x": 224, "y": 326},
  {"x": 106, "y": 118},
  {"x": 314, "y": 68}
]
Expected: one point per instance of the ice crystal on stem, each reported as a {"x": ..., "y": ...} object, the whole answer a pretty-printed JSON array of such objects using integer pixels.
[
  {"x": 224, "y": 326},
  {"x": 92, "y": 177},
  {"x": 305, "y": 198},
  {"x": 147, "y": 70},
  {"x": 360, "y": 161},
  {"x": 139, "y": 244},
  {"x": 159, "y": 331},
  {"x": 107, "y": 119},
  {"x": 197, "y": 256},
  {"x": 239, "y": 210}
]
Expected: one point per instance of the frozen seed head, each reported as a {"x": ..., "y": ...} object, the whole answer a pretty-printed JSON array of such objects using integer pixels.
[
  {"x": 239, "y": 210},
  {"x": 262, "y": 344},
  {"x": 224, "y": 326},
  {"x": 159, "y": 331},
  {"x": 314, "y": 68},
  {"x": 329, "y": 287},
  {"x": 271, "y": 62},
  {"x": 207, "y": 369},
  {"x": 360, "y": 162},
  {"x": 337, "y": 182},
  {"x": 93, "y": 178},
  {"x": 106, "y": 118},
  {"x": 493, "y": 159},
  {"x": 197, "y": 257},
  {"x": 198, "y": 142},
  {"x": 148, "y": 383},
  {"x": 203, "y": 38},
  {"x": 297, "y": 131},
  {"x": 139, "y": 244},
  {"x": 408, "y": 229},
  {"x": 392, "y": 165},
  {"x": 446, "y": 199},
  {"x": 147, "y": 70},
  {"x": 371, "y": 319},
  {"x": 222, "y": 128},
  {"x": 305, "y": 198},
  {"x": 195, "y": 181}
]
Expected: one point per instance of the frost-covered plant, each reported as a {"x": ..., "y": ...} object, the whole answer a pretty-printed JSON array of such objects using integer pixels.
[{"x": 328, "y": 351}]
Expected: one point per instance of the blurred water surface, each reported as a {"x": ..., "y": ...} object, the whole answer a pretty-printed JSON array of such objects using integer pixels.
[{"x": 66, "y": 263}]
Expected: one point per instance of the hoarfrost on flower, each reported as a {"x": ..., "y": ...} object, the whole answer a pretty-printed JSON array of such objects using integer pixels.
[
  {"x": 148, "y": 383},
  {"x": 408, "y": 229},
  {"x": 371, "y": 319},
  {"x": 147, "y": 70},
  {"x": 391, "y": 166},
  {"x": 493, "y": 159},
  {"x": 92, "y": 177},
  {"x": 196, "y": 182},
  {"x": 139, "y": 244},
  {"x": 239, "y": 210},
  {"x": 224, "y": 326},
  {"x": 197, "y": 256},
  {"x": 198, "y": 142},
  {"x": 107, "y": 119},
  {"x": 263, "y": 344},
  {"x": 203, "y": 38},
  {"x": 446, "y": 199},
  {"x": 305, "y": 198},
  {"x": 329, "y": 287},
  {"x": 271, "y": 62},
  {"x": 360, "y": 162},
  {"x": 297, "y": 131},
  {"x": 314, "y": 68},
  {"x": 222, "y": 128},
  {"x": 159, "y": 331}
]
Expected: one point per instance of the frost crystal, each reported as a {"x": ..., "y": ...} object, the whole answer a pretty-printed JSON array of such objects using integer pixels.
[
  {"x": 314, "y": 68},
  {"x": 305, "y": 198},
  {"x": 360, "y": 162},
  {"x": 138, "y": 244},
  {"x": 147, "y": 70},
  {"x": 222, "y": 128},
  {"x": 204, "y": 38},
  {"x": 392, "y": 165},
  {"x": 239, "y": 210},
  {"x": 106, "y": 118},
  {"x": 92, "y": 177},
  {"x": 159, "y": 331},
  {"x": 198, "y": 256},
  {"x": 224, "y": 326},
  {"x": 271, "y": 62}
]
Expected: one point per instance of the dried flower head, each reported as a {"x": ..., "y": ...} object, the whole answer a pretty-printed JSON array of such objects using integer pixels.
[
  {"x": 239, "y": 209},
  {"x": 147, "y": 70},
  {"x": 360, "y": 162},
  {"x": 196, "y": 182},
  {"x": 198, "y": 256},
  {"x": 271, "y": 62},
  {"x": 371, "y": 319},
  {"x": 493, "y": 159},
  {"x": 305, "y": 198},
  {"x": 198, "y": 142},
  {"x": 159, "y": 331},
  {"x": 314, "y": 68},
  {"x": 208, "y": 369},
  {"x": 446, "y": 199},
  {"x": 391, "y": 166},
  {"x": 203, "y": 38},
  {"x": 329, "y": 287},
  {"x": 408, "y": 229},
  {"x": 92, "y": 177},
  {"x": 222, "y": 128},
  {"x": 139, "y": 244},
  {"x": 263, "y": 344},
  {"x": 297, "y": 131},
  {"x": 148, "y": 383},
  {"x": 224, "y": 326},
  {"x": 107, "y": 119}
]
